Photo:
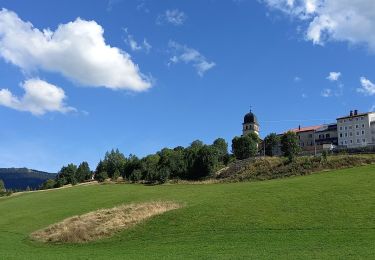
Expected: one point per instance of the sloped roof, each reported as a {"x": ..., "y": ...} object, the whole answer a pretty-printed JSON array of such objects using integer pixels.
[{"x": 305, "y": 129}]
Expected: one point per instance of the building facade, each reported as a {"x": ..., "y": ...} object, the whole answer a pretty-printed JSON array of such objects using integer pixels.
[
  {"x": 306, "y": 137},
  {"x": 356, "y": 129},
  {"x": 326, "y": 135}
]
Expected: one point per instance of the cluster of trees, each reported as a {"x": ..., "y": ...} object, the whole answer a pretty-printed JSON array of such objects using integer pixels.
[
  {"x": 194, "y": 162},
  {"x": 70, "y": 174},
  {"x": 191, "y": 163}
]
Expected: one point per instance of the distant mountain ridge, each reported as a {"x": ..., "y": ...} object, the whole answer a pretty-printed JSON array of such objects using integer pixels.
[{"x": 21, "y": 178}]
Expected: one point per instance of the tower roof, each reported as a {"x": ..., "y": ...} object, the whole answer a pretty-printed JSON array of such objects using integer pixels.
[{"x": 250, "y": 118}]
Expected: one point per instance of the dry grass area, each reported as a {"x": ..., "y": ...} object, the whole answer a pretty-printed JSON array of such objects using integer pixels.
[{"x": 101, "y": 223}]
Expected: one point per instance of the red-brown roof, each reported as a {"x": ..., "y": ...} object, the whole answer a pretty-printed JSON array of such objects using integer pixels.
[{"x": 305, "y": 129}]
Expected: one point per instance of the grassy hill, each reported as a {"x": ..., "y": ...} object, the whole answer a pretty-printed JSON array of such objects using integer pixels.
[
  {"x": 327, "y": 215},
  {"x": 21, "y": 178}
]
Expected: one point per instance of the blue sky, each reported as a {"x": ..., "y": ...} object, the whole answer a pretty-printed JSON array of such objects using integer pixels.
[{"x": 165, "y": 73}]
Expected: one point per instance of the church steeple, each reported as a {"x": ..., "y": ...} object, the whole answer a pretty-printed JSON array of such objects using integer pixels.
[{"x": 250, "y": 123}]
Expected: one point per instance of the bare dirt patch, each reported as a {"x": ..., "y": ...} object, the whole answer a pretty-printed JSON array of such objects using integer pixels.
[{"x": 101, "y": 223}]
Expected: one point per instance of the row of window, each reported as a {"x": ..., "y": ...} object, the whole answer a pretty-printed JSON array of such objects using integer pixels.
[
  {"x": 351, "y": 134},
  {"x": 351, "y": 141},
  {"x": 351, "y": 119},
  {"x": 351, "y": 127},
  {"x": 322, "y": 136}
]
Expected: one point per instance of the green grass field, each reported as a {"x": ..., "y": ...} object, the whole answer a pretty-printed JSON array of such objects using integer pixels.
[{"x": 321, "y": 216}]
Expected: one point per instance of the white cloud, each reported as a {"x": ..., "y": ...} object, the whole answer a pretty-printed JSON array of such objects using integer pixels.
[
  {"x": 134, "y": 45},
  {"x": 326, "y": 92},
  {"x": 76, "y": 50},
  {"x": 182, "y": 53},
  {"x": 175, "y": 17},
  {"x": 368, "y": 88},
  {"x": 39, "y": 98},
  {"x": 372, "y": 109},
  {"x": 333, "y": 20},
  {"x": 334, "y": 76}
]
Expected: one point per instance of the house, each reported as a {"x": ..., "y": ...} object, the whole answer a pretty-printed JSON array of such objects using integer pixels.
[
  {"x": 306, "y": 137},
  {"x": 356, "y": 129}
]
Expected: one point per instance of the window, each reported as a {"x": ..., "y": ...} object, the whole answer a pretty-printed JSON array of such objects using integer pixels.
[
  {"x": 356, "y": 126},
  {"x": 350, "y": 134},
  {"x": 346, "y": 134},
  {"x": 358, "y": 141},
  {"x": 310, "y": 135},
  {"x": 351, "y": 141},
  {"x": 363, "y": 125},
  {"x": 363, "y": 132},
  {"x": 363, "y": 140},
  {"x": 328, "y": 135},
  {"x": 362, "y": 118},
  {"x": 341, "y": 128},
  {"x": 340, "y": 135},
  {"x": 350, "y": 127},
  {"x": 357, "y": 133},
  {"x": 346, "y": 128},
  {"x": 345, "y": 142}
]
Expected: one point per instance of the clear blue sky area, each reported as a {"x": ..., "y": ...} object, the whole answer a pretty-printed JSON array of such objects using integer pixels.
[{"x": 179, "y": 71}]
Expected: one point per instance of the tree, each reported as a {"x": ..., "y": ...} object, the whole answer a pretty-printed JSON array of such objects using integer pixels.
[
  {"x": 222, "y": 150},
  {"x": 2, "y": 186},
  {"x": 149, "y": 167},
  {"x": 172, "y": 162},
  {"x": 132, "y": 164},
  {"x": 68, "y": 174},
  {"x": 190, "y": 157},
  {"x": 83, "y": 172},
  {"x": 207, "y": 161},
  {"x": 289, "y": 145},
  {"x": 271, "y": 141},
  {"x": 245, "y": 146},
  {"x": 114, "y": 160}
]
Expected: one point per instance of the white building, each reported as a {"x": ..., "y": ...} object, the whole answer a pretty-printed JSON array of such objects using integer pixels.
[{"x": 356, "y": 129}]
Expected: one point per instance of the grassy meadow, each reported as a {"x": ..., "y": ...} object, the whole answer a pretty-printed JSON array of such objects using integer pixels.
[{"x": 320, "y": 216}]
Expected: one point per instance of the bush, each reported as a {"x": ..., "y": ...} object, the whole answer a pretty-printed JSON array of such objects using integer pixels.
[{"x": 101, "y": 176}]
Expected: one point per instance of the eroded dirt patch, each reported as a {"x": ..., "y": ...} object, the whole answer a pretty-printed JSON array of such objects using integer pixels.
[{"x": 101, "y": 223}]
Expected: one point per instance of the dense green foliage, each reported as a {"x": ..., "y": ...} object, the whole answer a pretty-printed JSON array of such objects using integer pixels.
[
  {"x": 192, "y": 163},
  {"x": 70, "y": 174},
  {"x": 271, "y": 144},
  {"x": 290, "y": 145},
  {"x": 2, "y": 186},
  {"x": 246, "y": 146},
  {"x": 321, "y": 216}
]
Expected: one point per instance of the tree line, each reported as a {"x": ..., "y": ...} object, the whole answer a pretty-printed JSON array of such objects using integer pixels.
[{"x": 195, "y": 162}]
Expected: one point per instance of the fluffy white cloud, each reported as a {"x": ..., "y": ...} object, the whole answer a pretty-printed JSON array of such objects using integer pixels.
[
  {"x": 76, "y": 50},
  {"x": 175, "y": 17},
  {"x": 39, "y": 98},
  {"x": 367, "y": 87},
  {"x": 182, "y": 53},
  {"x": 134, "y": 45},
  {"x": 336, "y": 20},
  {"x": 334, "y": 76}
]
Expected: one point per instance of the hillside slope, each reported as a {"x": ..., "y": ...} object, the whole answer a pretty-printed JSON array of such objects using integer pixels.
[
  {"x": 21, "y": 178},
  {"x": 320, "y": 216}
]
